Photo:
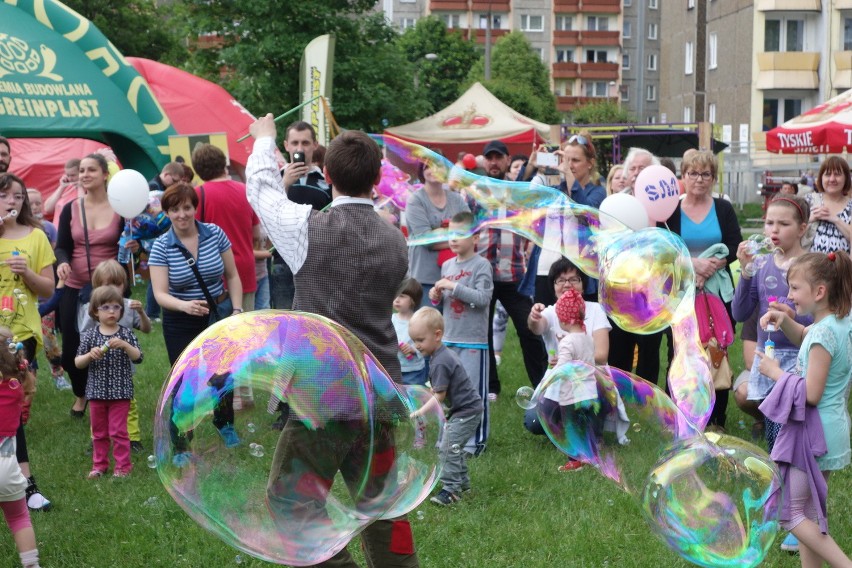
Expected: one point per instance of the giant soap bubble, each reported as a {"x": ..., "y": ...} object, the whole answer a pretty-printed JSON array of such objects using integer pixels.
[
  {"x": 712, "y": 501},
  {"x": 348, "y": 455}
]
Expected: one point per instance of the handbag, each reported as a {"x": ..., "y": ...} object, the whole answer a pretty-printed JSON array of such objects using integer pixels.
[
  {"x": 85, "y": 292},
  {"x": 716, "y": 333},
  {"x": 211, "y": 303}
]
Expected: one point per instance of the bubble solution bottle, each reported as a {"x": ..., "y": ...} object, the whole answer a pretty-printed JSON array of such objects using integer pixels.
[{"x": 769, "y": 345}]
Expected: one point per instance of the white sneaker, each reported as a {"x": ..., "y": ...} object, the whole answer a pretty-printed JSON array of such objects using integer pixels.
[{"x": 38, "y": 502}]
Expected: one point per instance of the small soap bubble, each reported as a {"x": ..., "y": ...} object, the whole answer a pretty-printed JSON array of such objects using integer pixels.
[
  {"x": 420, "y": 515},
  {"x": 251, "y": 427},
  {"x": 524, "y": 398},
  {"x": 16, "y": 291},
  {"x": 257, "y": 451},
  {"x": 771, "y": 282},
  {"x": 151, "y": 502},
  {"x": 152, "y": 462},
  {"x": 13, "y": 348},
  {"x": 238, "y": 559},
  {"x": 609, "y": 502},
  {"x": 637, "y": 427},
  {"x": 455, "y": 448}
]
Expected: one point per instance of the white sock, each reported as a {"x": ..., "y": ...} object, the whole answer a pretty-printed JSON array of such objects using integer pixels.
[{"x": 29, "y": 559}]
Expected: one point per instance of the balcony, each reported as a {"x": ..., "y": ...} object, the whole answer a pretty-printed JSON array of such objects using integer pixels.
[
  {"x": 495, "y": 6},
  {"x": 843, "y": 4},
  {"x": 600, "y": 38},
  {"x": 563, "y": 37},
  {"x": 569, "y": 6},
  {"x": 608, "y": 71},
  {"x": 480, "y": 35},
  {"x": 788, "y": 70},
  {"x": 567, "y": 70},
  {"x": 842, "y": 78},
  {"x": 792, "y": 5},
  {"x": 448, "y": 6},
  {"x": 567, "y": 104},
  {"x": 601, "y": 6}
]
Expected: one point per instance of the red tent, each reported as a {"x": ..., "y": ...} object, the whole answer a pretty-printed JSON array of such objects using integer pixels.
[
  {"x": 193, "y": 105},
  {"x": 825, "y": 129}
]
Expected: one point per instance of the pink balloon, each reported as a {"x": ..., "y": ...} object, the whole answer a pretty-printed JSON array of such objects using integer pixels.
[
  {"x": 657, "y": 189},
  {"x": 469, "y": 161}
]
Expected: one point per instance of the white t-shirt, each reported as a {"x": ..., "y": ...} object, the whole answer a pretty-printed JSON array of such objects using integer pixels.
[{"x": 595, "y": 320}]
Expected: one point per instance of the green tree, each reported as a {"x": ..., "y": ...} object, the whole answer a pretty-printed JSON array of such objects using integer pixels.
[
  {"x": 257, "y": 54},
  {"x": 135, "y": 27},
  {"x": 439, "y": 79},
  {"x": 602, "y": 112},
  {"x": 518, "y": 78}
]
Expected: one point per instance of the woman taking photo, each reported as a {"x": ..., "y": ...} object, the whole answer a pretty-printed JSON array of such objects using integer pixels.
[
  {"x": 831, "y": 207},
  {"x": 88, "y": 233},
  {"x": 183, "y": 293}
]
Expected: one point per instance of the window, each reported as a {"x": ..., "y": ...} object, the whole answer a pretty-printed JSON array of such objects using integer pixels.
[
  {"x": 713, "y": 50},
  {"x": 847, "y": 34},
  {"x": 405, "y": 23},
  {"x": 532, "y": 23},
  {"x": 564, "y": 55},
  {"x": 539, "y": 51},
  {"x": 711, "y": 112},
  {"x": 652, "y": 31},
  {"x": 595, "y": 56},
  {"x": 596, "y": 88},
  {"x": 690, "y": 4},
  {"x": 652, "y": 62},
  {"x": 778, "y": 111},
  {"x": 689, "y": 56},
  {"x": 625, "y": 93},
  {"x": 625, "y": 61},
  {"x": 563, "y": 23},
  {"x": 628, "y": 29},
  {"x": 784, "y": 35},
  {"x": 653, "y": 4},
  {"x": 451, "y": 20},
  {"x": 628, "y": 2},
  {"x": 597, "y": 23},
  {"x": 651, "y": 93},
  {"x": 687, "y": 114},
  {"x": 495, "y": 21}
]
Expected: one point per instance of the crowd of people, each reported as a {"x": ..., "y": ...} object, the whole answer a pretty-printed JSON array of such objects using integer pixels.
[{"x": 306, "y": 235}]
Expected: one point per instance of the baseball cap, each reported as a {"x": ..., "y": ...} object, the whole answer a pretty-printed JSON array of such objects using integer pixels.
[{"x": 495, "y": 146}]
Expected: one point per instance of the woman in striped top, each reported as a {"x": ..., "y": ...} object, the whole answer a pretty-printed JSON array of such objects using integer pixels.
[{"x": 176, "y": 288}]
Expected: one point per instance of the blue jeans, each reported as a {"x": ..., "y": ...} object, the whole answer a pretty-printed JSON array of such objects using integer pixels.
[
  {"x": 281, "y": 287},
  {"x": 152, "y": 308},
  {"x": 418, "y": 377},
  {"x": 261, "y": 295}
]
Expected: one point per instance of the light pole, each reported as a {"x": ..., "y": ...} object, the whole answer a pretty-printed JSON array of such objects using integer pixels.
[{"x": 427, "y": 57}]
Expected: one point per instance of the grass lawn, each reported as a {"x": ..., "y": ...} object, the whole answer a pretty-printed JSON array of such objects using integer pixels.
[{"x": 521, "y": 512}]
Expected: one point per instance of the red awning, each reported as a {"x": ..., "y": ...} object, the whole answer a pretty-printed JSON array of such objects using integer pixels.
[{"x": 825, "y": 129}]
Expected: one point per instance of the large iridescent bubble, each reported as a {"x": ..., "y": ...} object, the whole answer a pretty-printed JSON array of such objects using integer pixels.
[
  {"x": 349, "y": 454},
  {"x": 646, "y": 284},
  {"x": 713, "y": 499}
]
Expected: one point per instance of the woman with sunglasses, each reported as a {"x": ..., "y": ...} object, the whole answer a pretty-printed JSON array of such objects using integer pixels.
[
  {"x": 703, "y": 221},
  {"x": 582, "y": 183}
]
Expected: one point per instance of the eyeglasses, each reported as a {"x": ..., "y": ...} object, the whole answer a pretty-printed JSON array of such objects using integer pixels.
[
  {"x": 109, "y": 308},
  {"x": 579, "y": 139},
  {"x": 706, "y": 176},
  {"x": 563, "y": 281}
]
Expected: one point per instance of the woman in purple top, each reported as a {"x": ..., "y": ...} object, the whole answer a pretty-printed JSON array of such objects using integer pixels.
[{"x": 786, "y": 224}]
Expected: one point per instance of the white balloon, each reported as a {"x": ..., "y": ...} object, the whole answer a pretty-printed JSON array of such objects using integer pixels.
[
  {"x": 625, "y": 208},
  {"x": 128, "y": 193}
]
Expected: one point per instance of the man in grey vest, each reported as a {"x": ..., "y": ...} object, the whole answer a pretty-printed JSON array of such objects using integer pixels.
[{"x": 348, "y": 264}]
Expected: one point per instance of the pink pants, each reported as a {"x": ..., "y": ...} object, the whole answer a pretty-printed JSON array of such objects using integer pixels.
[
  {"x": 109, "y": 422},
  {"x": 17, "y": 515}
]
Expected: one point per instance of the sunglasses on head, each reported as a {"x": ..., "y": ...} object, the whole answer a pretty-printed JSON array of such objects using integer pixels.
[{"x": 579, "y": 139}]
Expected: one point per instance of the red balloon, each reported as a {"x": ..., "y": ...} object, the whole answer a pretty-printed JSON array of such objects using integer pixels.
[{"x": 469, "y": 161}]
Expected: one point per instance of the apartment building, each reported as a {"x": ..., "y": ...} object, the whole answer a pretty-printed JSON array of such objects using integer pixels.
[
  {"x": 641, "y": 66},
  {"x": 578, "y": 40}
]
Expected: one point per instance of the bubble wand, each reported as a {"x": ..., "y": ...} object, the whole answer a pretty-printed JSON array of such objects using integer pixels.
[{"x": 286, "y": 114}]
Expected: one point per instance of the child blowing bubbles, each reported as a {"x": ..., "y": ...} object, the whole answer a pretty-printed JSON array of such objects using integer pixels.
[
  {"x": 412, "y": 363},
  {"x": 449, "y": 382},
  {"x": 15, "y": 384},
  {"x": 807, "y": 449},
  {"x": 107, "y": 350}
]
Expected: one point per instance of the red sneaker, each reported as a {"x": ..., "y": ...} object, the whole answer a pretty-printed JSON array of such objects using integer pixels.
[{"x": 571, "y": 465}]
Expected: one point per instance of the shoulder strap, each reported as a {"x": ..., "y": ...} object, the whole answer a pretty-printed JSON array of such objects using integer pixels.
[
  {"x": 190, "y": 262},
  {"x": 86, "y": 235},
  {"x": 201, "y": 191}
]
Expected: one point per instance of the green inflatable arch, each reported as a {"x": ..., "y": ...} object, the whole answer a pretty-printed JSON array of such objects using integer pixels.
[{"x": 60, "y": 77}]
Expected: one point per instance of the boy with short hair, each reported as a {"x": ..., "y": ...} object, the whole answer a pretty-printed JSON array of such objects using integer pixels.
[
  {"x": 450, "y": 383},
  {"x": 465, "y": 287},
  {"x": 348, "y": 265}
]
